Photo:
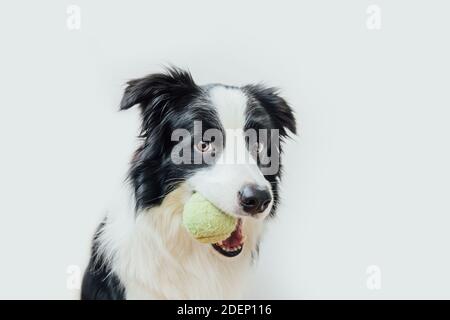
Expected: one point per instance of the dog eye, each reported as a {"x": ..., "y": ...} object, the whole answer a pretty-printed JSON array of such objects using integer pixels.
[
  {"x": 258, "y": 147},
  {"x": 203, "y": 146}
]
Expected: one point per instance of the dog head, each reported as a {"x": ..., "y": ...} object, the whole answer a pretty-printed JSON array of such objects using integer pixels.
[{"x": 221, "y": 141}]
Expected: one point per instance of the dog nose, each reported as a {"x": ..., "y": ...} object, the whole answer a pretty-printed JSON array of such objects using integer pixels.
[{"x": 254, "y": 199}]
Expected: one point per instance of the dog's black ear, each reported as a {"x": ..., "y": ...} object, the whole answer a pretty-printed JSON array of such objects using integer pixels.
[
  {"x": 278, "y": 109},
  {"x": 158, "y": 87},
  {"x": 156, "y": 93}
]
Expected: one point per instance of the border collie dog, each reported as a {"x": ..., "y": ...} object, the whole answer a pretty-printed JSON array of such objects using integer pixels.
[{"x": 191, "y": 139}]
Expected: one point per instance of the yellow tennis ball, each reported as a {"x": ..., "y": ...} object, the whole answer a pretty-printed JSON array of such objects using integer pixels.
[{"x": 205, "y": 222}]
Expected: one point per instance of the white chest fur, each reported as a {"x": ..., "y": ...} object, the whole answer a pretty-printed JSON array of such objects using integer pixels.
[{"x": 155, "y": 257}]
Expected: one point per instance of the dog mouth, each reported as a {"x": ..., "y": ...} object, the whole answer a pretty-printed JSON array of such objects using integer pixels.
[{"x": 231, "y": 246}]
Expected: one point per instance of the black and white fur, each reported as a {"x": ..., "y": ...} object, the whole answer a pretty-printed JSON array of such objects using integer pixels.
[{"x": 141, "y": 250}]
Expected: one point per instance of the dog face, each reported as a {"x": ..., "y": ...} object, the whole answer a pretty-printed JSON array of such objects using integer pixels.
[{"x": 221, "y": 141}]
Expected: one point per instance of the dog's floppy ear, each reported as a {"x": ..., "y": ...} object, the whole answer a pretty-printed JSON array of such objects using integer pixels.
[
  {"x": 278, "y": 109},
  {"x": 156, "y": 93}
]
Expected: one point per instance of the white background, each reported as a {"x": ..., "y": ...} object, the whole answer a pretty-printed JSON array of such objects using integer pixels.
[{"x": 366, "y": 181}]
